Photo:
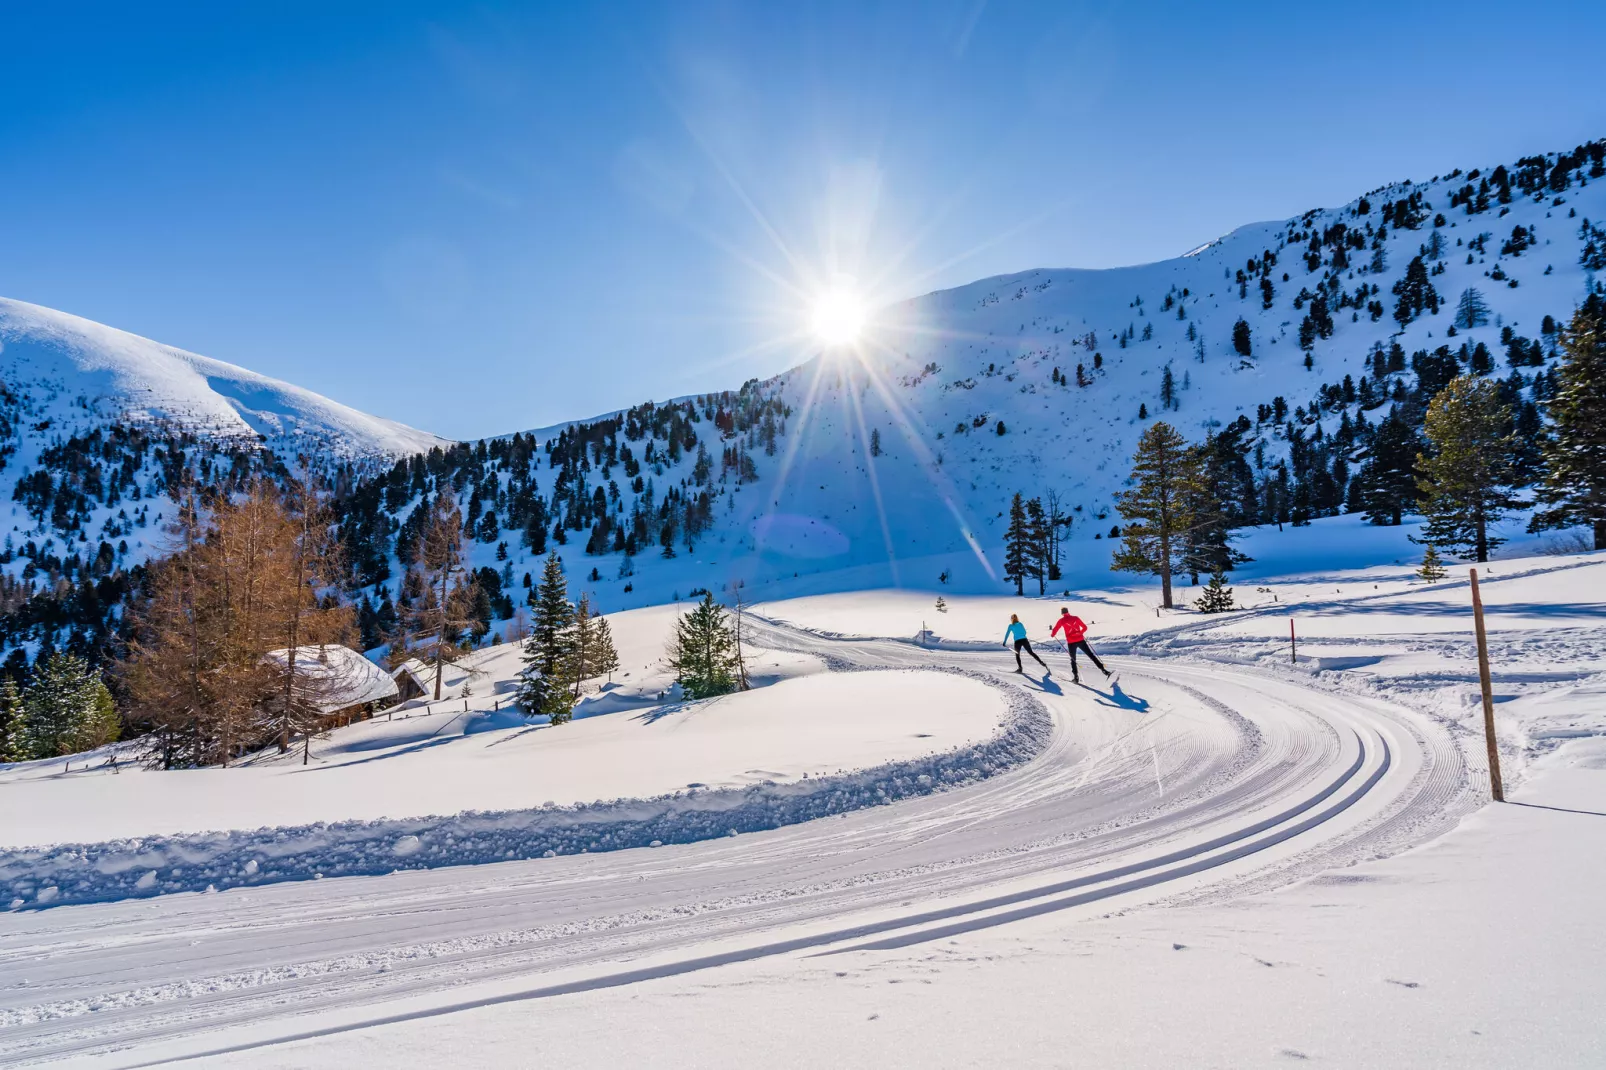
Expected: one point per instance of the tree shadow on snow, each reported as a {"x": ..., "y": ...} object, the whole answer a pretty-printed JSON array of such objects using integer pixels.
[
  {"x": 331, "y": 762},
  {"x": 658, "y": 712}
]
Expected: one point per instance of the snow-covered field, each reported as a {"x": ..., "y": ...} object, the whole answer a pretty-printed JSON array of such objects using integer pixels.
[
  {"x": 1482, "y": 949},
  {"x": 1255, "y": 852},
  {"x": 449, "y": 761}
]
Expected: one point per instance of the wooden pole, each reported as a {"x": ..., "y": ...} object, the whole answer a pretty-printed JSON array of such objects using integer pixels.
[
  {"x": 1495, "y": 787},
  {"x": 1293, "y": 645}
]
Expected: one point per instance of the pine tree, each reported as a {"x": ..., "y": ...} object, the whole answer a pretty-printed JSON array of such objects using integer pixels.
[
  {"x": 1166, "y": 473},
  {"x": 942, "y": 604},
  {"x": 544, "y": 681},
  {"x": 582, "y": 642},
  {"x": 1416, "y": 293},
  {"x": 1017, "y": 545},
  {"x": 702, "y": 651},
  {"x": 1217, "y": 596},
  {"x": 1240, "y": 337},
  {"x": 59, "y": 703},
  {"x": 13, "y": 723},
  {"x": 606, "y": 658},
  {"x": 1168, "y": 389},
  {"x": 1574, "y": 485},
  {"x": 1465, "y": 484},
  {"x": 1388, "y": 479},
  {"x": 1207, "y": 542},
  {"x": 1037, "y": 536},
  {"x": 1432, "y": 568},
  {"x": 103, "y": 726}
]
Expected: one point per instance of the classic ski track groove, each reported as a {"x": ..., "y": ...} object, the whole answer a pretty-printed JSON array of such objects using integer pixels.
[{"x": 1255, "y": 771}]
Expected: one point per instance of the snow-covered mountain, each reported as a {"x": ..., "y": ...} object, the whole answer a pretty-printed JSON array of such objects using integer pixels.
[
  {"x": 889, "y": 462},
  {"x": 74, "y": 373},
  {"x": 896, "y": 462}
]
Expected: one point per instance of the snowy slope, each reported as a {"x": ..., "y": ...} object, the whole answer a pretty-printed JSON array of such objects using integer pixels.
[
  {"x": 939, "y": 376},
  {"x": 80, "y": 373}
]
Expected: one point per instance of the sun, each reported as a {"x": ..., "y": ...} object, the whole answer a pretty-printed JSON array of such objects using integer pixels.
[{"x": 838, "y": 317}]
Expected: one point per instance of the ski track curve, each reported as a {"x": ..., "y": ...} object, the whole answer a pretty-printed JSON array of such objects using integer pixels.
[{"x": 1195, "y": 781}]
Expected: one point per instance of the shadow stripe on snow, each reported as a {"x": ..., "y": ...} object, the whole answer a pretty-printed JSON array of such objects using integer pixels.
[{"x": 63, "y": 874}]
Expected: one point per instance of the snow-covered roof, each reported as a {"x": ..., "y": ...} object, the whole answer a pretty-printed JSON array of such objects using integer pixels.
[
  {"x": 454, "y": 675},
  {"x": 336, "y": 676}
]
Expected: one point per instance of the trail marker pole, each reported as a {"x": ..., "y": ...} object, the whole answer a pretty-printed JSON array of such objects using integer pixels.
[
  {"x": 1293, "y": 645},
  {"x": 1495, "y": 787}
]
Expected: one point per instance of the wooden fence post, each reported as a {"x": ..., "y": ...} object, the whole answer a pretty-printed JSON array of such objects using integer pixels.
[
  {"x": 1495, "y": 787},
  {"x": 1293, "y": 645}
]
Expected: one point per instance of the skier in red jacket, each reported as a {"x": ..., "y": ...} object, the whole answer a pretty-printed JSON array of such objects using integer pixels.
[{"x": 1076, "y": 639}]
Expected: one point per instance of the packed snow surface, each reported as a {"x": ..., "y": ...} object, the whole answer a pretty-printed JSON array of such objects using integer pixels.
[
  {"x": 1249, "y": 846},
  {"x": 1480, "y": 950}
]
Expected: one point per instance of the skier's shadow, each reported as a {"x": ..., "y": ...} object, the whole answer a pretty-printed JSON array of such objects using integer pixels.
[
  {"x": 1047, "y": 685},
  {"x": 1120, "y": 700}
]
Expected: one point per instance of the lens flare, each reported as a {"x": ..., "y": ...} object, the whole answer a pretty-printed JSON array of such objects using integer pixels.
[{"x": 838, "y": 316}]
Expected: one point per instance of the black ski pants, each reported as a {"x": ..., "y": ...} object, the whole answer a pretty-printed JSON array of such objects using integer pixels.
[
  {"x": 1026, "y": 644},
  {"x": 1081, "y": 644}
]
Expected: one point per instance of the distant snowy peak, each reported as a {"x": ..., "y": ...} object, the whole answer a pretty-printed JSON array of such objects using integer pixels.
[{"x": 75, "y": 372}]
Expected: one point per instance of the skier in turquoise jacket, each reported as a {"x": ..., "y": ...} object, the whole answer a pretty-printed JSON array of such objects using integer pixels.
[{"x": 1017, "y": 632}]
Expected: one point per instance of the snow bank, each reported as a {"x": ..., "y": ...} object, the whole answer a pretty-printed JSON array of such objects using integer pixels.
[
  {"x": 454, "y": 760},
  {"x": 822, "y": 708}
]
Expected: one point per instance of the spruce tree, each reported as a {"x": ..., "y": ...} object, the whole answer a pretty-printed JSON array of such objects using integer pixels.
[
  {"x": 1165, "y": 473},
  {"x": 1207, "y": 542},
  {"x": 1465, "y": 483},
  {"x": 1574, "y": 484},
  {"x": 13, "y": 723},
  {"x": 1416, "y": 293},
  {"x": 1217, "y": 596},
  {"x": 606, "y": 658},
  {"x": 1240, "y": 337},
  {"x": 103, "y": 726},
  {"x": 702, "y": 651},
  {"x": 544, "y": 681},
  {"x": 1432, "y": 568},
  {"x": 1037, "y": 536},
  {"x": 59, "y": 703},
  {"x": 1388, "y": 479},
  {"x": 1017, "y": 545},
  {"x": 582, "y": 643}
]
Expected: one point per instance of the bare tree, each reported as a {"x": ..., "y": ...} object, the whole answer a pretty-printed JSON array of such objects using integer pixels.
[
  {"x": 1059, "y": 524},
  {"x": 315, "y": 561},
  {"x": 446, "y": 607}
]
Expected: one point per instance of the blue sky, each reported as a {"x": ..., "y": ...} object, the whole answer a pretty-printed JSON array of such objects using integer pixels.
[{"x": 481, "y": 218}]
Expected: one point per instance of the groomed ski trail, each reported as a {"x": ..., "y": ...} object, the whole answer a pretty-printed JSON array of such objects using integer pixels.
[{"x": 1193, "y": 780}]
